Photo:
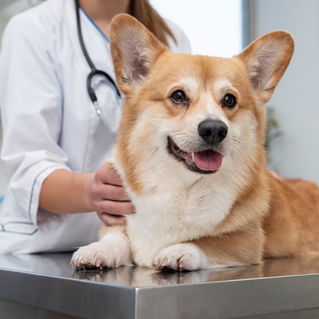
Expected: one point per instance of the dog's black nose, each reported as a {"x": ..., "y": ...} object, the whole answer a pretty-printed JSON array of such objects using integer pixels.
[{"x": 212, "y": 131}]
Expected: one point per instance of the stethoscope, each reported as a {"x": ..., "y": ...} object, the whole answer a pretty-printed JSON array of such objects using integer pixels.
[{"x": 94, "y": 71}]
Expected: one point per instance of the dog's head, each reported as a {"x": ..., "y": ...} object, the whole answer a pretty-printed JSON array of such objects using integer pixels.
[{"x": 194, "y": 115}]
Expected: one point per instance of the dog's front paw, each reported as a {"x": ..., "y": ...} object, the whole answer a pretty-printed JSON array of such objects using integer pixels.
[
  {"x": 181, "y": 257},
  {"x": 111, "y": 252}
]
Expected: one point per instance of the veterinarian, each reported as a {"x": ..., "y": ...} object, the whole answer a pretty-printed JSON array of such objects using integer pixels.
[{"x": 60, "y": 110}]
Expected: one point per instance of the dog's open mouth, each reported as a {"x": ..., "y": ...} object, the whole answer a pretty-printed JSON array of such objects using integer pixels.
[{"x": 204, "y": 162}]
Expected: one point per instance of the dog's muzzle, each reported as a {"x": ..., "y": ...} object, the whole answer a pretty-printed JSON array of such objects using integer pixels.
[{"x": 206, "y": 161}]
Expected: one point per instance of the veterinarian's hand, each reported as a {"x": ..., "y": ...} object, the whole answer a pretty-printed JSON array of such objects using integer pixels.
[{"x": 108, "y": 198}]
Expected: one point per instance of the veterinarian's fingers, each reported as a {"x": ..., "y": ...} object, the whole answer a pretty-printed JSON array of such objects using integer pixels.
[
  {"x": 116, "y": 208},
  {"x": 108, "y": 175},
  {"x": 111, "y": 220},
  {"x": 110, "y": 192}
]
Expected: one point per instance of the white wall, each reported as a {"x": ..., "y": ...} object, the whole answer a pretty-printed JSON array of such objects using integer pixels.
[
  {"x": 296, "y": 100},
  {"x": 212, "y": 26}
]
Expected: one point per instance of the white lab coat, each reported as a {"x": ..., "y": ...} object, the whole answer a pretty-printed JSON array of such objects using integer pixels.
[{"x": 49, "y": 121}]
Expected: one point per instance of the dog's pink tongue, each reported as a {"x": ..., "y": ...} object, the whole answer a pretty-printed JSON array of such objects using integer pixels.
[{"x": 208, "y": 160}]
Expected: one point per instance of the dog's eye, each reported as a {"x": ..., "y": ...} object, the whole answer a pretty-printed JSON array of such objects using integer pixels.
[
  {"x": 229, "y": 101},
  {"x": 178, "y": 97}
]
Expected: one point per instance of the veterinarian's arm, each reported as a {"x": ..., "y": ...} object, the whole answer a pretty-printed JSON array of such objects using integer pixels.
[{"x": 64, "y": 192}]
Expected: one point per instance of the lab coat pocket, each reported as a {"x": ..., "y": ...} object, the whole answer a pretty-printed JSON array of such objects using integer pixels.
[{"x": 18, "y": 227}]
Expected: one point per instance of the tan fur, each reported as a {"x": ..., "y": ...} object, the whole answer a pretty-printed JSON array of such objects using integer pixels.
[
  {"x": 269, "y": 217},
  {"x": 291, "y": 226}
]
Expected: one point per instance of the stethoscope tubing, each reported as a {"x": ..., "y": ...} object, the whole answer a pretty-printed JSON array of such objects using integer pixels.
[{"x": 94, "y": 72}]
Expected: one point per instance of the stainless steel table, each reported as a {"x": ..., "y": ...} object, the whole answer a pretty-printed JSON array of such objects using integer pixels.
[{"x": 46, "y": 286}]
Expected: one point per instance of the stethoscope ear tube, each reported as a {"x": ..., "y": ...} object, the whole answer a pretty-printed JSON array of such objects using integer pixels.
[{"x": 78, "y": 25}]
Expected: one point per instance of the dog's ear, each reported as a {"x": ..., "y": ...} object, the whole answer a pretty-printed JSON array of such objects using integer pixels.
[
  {"x": 266, "y": 60},
  {"x": 134, "y": 50}
]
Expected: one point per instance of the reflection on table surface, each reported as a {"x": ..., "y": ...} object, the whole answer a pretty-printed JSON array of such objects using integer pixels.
[{"x": 58, "y": 265}]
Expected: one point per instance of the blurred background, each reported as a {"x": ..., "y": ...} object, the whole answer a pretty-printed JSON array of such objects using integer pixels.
[{"x": 224, "y": 28}]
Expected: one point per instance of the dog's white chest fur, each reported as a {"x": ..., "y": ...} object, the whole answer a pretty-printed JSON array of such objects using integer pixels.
[{"x": 176, "y": 214}]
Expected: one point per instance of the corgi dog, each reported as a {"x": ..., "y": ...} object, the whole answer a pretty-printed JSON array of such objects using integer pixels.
[{"x": 191, "y": 155}]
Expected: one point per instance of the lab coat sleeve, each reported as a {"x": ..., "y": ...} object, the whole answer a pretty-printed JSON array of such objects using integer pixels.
[{"x": 31, "y": 110}]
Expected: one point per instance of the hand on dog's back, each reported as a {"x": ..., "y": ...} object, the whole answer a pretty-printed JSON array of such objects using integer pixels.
[{"x": 107, "y": 196}]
